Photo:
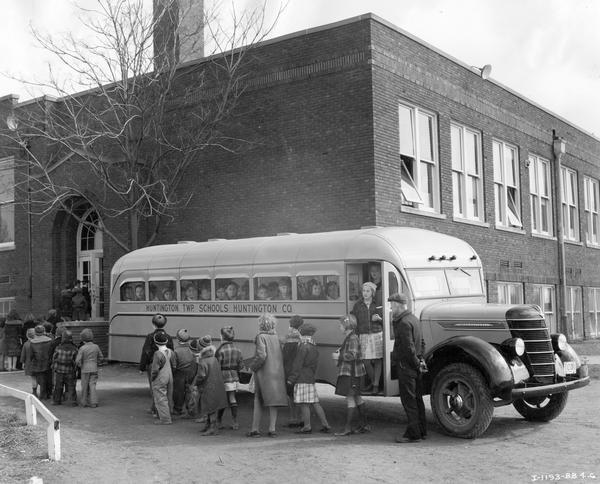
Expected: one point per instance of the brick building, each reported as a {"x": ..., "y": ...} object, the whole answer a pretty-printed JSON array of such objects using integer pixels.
[{"x": 359, "y": 123}]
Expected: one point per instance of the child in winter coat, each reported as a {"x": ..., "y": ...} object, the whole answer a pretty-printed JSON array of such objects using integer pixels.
[
  {"x": 181, "y": 369},
  {"x": 40, "y": 359},
  {"x": 63, "y": 365},
  {"x": 289, "y": 350},
  {"x": 302, "y": 377},
  {"x": 231, "y": 361},
  {"x": 210, "y": 386},
  {"x": 89, "y": 357},
  {"x": 162, "y": 379}
]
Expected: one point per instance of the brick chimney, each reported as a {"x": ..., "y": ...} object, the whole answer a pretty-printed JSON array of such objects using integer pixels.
[{"x": 179, "y": 32}]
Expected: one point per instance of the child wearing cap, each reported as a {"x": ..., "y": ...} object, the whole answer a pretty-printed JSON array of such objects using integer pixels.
[
  {"x": 63, "y": 365},
  {"x": 302, "y": 377},
  {"x": 26, "y": 356},
  {"x": 40, "y": 359},
  {"x": 89, "y": 357},
  {"x": 210, "y": 386},
  {"x": 231, "y": 361},
  {"x": 289, "y": 350},
  {"x": 161, "y": 375},
  {"x": 191, "y": 389},
  {"x": 183, "y": 359}
]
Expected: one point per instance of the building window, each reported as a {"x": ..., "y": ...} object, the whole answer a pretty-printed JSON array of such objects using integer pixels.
[
  {"x": 593, "y": 326},
  {"x": 506, "y": 185},
  {"x": 544, "y": 297},
  {"x": 7, "y": 203},
  {"x": 467, "y": 183},
  {"x": 569, "y": 204},
  {"x": 6, "y": 304},
  {"x": 574, "y": 315},
  {"x": 419, "y": 163},
  {"x": 510, "y": 293},
  {"x": 590, "y": 187},
  {"x": 540, "y": 194}
]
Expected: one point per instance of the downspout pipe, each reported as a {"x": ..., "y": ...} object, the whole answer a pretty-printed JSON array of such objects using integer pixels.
[{"x": 559, "y": 148}]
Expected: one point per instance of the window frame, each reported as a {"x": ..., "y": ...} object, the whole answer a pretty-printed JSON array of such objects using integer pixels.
[
  {"x": 593, "y": 311},
  {"x": 419, "y": 191},
  {"x": 591, "y": 190},
  {"x": 570, "y": 208},
  {"x": 503, "y": 288},
  {"x": 462, "y": 207},
  {"x": 7, "y": 165},
  {"x": 549, "y": 316},
  {"x": 536, "y": 197},
  {"x": 508, "y": 194}
]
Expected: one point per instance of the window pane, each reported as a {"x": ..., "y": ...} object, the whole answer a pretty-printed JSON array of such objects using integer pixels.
[
  {"x": 545, "y": 216},
  {"x": 533, "y": 174},
  {"x": 273, "y": 288},
  {"x": 7, "y": 182},
  {"x": 406, "y": 131},
  {"x": 313, "y": 287},
  {"x": 510, "y": 160},
  {"x": 162, "y": 290},
  {"x": 474, "y": 197},
  {"x": 471, "y": 153},
  {"x": 430, "y": 283},
  {"x": 457, "y": 193},
  {"x": 497, "y": 151},
  {"x": 7, "y": 223},
  {"x": 133, "y": 291},
  {"x": 464, "y": 282},
  {"x": 425, "y": 137},
  {"x": 426, "y": 183},
  {"x": 543, "y": 178},
  {"x": 410, "y": 192},
  {"x": 455, "y": 140},
  {"x": 195, "y": 290},
  {"x": 232, "y": 289}
]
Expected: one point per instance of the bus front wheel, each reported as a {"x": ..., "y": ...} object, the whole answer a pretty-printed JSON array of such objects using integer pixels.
[
  {"x": 541, "y": 409},
  {"x": 461, "y": 401}
]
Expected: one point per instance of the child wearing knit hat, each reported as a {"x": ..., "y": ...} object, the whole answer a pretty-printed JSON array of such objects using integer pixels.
[
  {"x": 302, "y": 377},
  {"x": 231, "y": 361},
  {"x": 183, "y": 359},
  {"x": 162, "y": 379},
  {"x": 89, "y": 357}
]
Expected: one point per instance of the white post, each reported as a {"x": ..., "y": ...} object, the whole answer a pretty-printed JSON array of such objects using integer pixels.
[
  {"x": 53, "y": 432},
  {"x": 30, "y": 411}
]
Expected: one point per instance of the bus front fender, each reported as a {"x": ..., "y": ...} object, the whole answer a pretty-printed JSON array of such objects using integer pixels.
[{"x": 479, "y": 354}]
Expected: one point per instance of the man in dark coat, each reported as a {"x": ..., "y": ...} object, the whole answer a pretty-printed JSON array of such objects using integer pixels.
[{"x": 407, "y": 356}]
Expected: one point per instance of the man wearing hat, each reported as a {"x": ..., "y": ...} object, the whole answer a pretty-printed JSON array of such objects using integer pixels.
[{"x": 407, "y": 355}]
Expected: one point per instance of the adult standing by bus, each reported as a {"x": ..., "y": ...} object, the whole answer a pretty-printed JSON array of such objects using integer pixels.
[
  {"x": 370, "y": 333},
  {"x": 13, "y": 330},
  {"x": 269, "y": 380},
  {"x": 407, "y": 355}
]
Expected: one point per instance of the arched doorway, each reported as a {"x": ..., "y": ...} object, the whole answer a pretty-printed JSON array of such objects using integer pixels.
[{"x": 90, "y": 260}]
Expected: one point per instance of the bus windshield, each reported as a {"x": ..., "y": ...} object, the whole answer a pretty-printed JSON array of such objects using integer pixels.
[{"x": 431, "y": 283}]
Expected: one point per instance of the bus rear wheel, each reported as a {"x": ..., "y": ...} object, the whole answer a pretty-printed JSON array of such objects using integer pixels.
[
  {"x": 541, "y": 409},
  {"x": 461, "y": 401}
]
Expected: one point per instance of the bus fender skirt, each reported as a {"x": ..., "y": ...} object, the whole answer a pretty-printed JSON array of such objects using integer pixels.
[{"x": 482, "y": 355}]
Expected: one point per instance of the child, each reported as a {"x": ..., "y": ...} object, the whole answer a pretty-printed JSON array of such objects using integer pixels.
[
  {"x": 303, "y": 377},
  {"x": 162, "y": 379},
  {"x": 26, "y": 359},
  {"x": 289, "y": 350},
  {"x": 231, "y": 361},
  {"x": 89, "y": 357},
  {"x": 159, "y": 322},
  {"x": 191, "y": 389},
  {"x": 210, "y": 386},
  {"x": 183, "y": 359},
  {"x": 12, "y": 333},
  {"x": 63, "y": 364},
  {"x": 351, "y": 372},
  {"x": 40, "y": 359}
]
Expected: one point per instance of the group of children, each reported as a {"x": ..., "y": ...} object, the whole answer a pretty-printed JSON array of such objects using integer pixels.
[
  {"x": 191, "y": 378},
  {"x": 52, "y": 362}
]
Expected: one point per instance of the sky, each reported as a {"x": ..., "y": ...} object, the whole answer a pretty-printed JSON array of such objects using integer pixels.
[{"x": 546, "y": 50}]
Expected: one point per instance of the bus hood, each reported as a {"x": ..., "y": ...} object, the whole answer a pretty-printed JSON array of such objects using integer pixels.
[{"x": 470, "y": 311}]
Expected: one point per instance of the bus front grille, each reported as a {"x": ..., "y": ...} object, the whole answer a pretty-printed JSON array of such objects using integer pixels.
[{"x": 539, "y": 355}]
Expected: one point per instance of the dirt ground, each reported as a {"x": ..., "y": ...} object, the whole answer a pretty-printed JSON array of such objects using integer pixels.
[{"x": 117, "y": 443}]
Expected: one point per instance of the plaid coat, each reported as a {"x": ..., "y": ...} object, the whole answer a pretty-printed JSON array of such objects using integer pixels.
[
  {"x": 349, "y": 362},
  {"x": 231, "y": 361}
]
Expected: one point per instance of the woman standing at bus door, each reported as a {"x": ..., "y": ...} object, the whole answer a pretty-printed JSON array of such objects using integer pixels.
[
  {"x": 370, "y": 332},
  {"x": 269, "y": 381}
]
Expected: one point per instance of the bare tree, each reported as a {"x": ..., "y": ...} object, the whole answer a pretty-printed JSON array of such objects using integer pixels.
[{"x": 126, "y": 140}]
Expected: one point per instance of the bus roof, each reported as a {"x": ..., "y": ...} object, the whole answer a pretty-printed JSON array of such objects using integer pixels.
[{"x": 405, "y": 247}]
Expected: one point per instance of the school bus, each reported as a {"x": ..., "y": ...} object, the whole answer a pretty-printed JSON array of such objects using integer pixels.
[{"x": 479, "y": 355}]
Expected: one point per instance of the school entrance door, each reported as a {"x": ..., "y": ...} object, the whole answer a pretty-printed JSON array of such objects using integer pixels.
[{"x": 90, "y": 261}]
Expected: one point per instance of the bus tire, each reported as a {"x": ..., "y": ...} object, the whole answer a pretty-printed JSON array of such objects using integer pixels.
[
  {"x": 541, "y": 409},
  {"x": 461, "y": 401}
]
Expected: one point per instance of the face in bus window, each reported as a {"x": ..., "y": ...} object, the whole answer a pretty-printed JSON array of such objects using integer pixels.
[
  {"x": 205, "y": 293},
  {"x": 167, "y": 295},
  {"x": 315, "y": 290},
  {"x": 262, "y": 293},
  {"x": 375, "y": 273},
  {"x": 190, "y": 293},
  {"x": 139, "y": 293},
  {"x": 243, "y": 292},
  {"x": 221, "y": 294},
  {"x": 333, "y": 291},
  {"x": 232, "y": 291},
  {"x": 284, "y": 290}
]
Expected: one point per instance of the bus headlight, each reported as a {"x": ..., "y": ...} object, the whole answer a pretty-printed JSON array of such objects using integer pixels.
[
  {"x": 516, "y": 346},
  {"x": 559, "y": 342}
]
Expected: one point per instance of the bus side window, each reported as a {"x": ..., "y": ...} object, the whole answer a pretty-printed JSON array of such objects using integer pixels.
[
  {"x": 319, "y": 287},
  {"x": 232, "y": 289},
  {"x": 273, "y": 288},
  {"x": 133, "y": 291},
  {"x": 162, "y": 290},
  {"x": 195, "y": 290}
]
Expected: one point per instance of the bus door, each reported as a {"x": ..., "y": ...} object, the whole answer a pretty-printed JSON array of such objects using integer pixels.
[{"x": 392, "y": 283}]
